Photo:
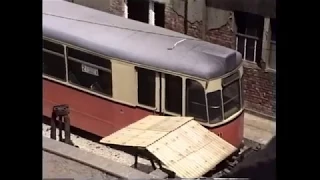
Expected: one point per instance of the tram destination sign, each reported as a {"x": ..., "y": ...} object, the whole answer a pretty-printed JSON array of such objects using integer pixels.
[{"x": 89, "y": 70}]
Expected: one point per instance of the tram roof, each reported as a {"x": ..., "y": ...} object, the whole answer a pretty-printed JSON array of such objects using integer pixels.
[{"x": 134, "y": 41}]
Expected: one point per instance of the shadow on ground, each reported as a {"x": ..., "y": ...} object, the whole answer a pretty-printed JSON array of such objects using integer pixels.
[{"x": 261, "y": 166}]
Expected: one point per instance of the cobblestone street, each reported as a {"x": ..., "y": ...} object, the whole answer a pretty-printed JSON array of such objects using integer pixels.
[{"x": 258, "y": 129}]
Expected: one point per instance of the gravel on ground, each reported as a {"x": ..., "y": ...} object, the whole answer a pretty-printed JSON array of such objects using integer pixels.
[{"x": 99, "y": 149}]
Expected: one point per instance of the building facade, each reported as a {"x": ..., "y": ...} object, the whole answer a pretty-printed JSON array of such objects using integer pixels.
[{"x": 247, "y": 26}]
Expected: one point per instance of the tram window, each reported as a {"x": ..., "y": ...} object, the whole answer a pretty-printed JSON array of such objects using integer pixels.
[
  {"x": 196, "y": 101},
  {"x": 231, "y": 99},
  {"x": 96, "y": 60},
  {"x": 58, "y": 48},
  {"x": 214, "y": 107},
  {"x": 54, "y": 65},
  {"x": 146, "y": 87},
  {"x": 173, "y": 94},
  {"x": 90, "y": 77}
]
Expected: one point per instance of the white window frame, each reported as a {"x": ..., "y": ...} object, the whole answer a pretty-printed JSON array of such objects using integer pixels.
[
  {"x": 163, "y": 95},
  {"x": 245, "y": 46},
  {"x": 266, "y": 45},
  {"x": 156, "y": 108}
]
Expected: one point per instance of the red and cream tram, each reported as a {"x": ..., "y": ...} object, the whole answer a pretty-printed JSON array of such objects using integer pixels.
[{"x": 113, "y": 71}]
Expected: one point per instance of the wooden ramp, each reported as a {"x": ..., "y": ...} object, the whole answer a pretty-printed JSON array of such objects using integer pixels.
[{"x": 180, "y": 143}]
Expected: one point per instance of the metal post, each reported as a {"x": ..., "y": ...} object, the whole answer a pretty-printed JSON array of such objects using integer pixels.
[
  {"x": 152, "y": 163},
  {"x": 61, "y": 114},
  {"x": 67, "y": 133},
  {"x": 53, "y": 134},
  {"x": 135, "y": 165},
  {"x": 60, "y": 128}
]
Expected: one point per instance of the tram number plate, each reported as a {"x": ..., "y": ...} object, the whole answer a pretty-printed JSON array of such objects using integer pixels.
[{"x": 89, "y": 70}]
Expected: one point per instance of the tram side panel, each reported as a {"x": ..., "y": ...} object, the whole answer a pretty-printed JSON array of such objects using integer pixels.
[
  {"x": 231, "y": 131},
  {"x": 103, "y": 117},
  {"x": 90, "y": 113}
]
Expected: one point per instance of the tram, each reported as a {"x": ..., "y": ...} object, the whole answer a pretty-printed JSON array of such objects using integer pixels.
[{"x": 113, "y": 71}]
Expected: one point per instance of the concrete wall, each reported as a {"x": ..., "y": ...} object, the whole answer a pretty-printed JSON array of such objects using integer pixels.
[
  {"x": 219, "y": 26},
  {"x": 219, "y": 29}
]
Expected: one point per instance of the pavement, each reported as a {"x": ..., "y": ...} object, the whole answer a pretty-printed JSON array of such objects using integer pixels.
[
  {"x": 55, "y": 166},
  {"x": 65, "y": 161},
  {"x": 258, "y": 129}
]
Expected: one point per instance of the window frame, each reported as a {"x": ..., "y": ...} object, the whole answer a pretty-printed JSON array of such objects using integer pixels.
[
  {"x": 69, "y": 58},
  {"x": 157, "y": 90},
  {"x": 233, "y": 77},
  {"x": 163, "y": 95},
  {"x": 111, "y": 59},
  {"x": 90, "y": 54},
  {"x": 205, "y": 100},
  {"x": 224, "y": 86},
  {"x": 55, "y": 43},
  {"x": 221, "y": 107},
  {"x": 56, "y": 54},
  {"x": 258, "y": 41}
]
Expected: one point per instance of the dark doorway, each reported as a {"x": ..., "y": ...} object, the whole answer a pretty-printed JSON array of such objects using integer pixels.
[
  {"x": 159, "y": 9},
  {"x": 138, "y": 10}
]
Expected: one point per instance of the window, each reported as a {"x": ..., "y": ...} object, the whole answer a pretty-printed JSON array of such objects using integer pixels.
[
  {"x": 231, "y": 98},
  {"x": 272, "y": 62},
  {"x": 53, "y": 62},
  {"x": 54, "y": 47},
  {"x": 249, "y": 35},
  {"x": 146, "y": 87},
  {"x": 54, "y": 65},
  {"x": 138, "y": 10},
  {"x": 173, "y": 94},
  {"x": 159, "y": 10},
  {"x": 214, "y": 107},
  {"x": 196, "y": 101},
  {"x": 231, "y": 91},
  {"x": 89, "y": 58},
  {"x": 90, "y": 71}
]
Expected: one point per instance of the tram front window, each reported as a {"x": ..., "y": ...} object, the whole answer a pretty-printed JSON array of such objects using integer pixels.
[
  {"x": 214, "y": 107},
  {"x": 220, "y": 105},
  {"x": 231, "y": 98},
  {"x": 196, "y": 101}
]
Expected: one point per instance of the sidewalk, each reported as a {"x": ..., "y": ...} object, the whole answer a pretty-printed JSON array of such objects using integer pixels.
[{"x": 258, "y": 129}]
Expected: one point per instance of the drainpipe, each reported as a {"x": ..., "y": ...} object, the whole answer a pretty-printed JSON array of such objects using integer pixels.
[
  {"x": 185, "y": 16},
  {"x": 204, "y": 20}
]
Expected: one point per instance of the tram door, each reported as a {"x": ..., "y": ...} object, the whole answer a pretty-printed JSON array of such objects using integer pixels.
[
  {"x": 171, "y": 95},
  {"x": 149, "y": 93}
]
